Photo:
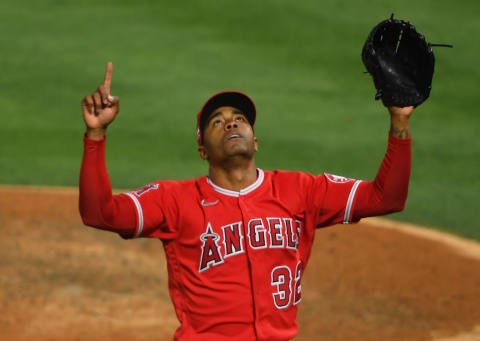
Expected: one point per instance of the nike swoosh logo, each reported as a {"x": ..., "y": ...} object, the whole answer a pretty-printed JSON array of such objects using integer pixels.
[{"x": 206, "y": 203}]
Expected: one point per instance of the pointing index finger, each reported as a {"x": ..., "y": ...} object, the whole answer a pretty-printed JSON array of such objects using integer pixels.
[{"x": 108, "y": 77}]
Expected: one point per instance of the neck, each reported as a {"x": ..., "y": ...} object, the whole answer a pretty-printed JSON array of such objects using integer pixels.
[{"x": 233, "y": 177}]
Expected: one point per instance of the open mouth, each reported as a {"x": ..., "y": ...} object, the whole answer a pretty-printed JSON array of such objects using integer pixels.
[{"x": 233, "y": 136}]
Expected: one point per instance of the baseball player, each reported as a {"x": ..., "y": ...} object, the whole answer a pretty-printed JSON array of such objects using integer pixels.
[{"x": 237, "y": 241}]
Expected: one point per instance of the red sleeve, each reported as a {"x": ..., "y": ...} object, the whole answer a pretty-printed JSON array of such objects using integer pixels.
[
  {"x": 98, "y": 207},
  {"x": 150, "y": 211},
  {"x": 388, "y": 192},
  {"x": 157, "y": 209},
  {"x": 331, "y": 199}
]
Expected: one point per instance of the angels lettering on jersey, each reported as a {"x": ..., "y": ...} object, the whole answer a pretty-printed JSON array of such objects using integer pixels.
[{"x": 260, "y": 233}]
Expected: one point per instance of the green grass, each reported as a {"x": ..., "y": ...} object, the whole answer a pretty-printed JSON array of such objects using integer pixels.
[{"x": 300, "y": 61}]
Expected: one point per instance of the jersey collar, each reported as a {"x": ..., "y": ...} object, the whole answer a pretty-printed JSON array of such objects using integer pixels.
[{"x": 244, "y": 191}]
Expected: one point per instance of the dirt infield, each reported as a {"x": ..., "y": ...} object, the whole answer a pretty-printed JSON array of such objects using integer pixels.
[{"x": 376, "y": 280}]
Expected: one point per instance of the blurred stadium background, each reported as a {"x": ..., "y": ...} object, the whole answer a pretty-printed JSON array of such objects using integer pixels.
[{"x": 300, "y": 61}]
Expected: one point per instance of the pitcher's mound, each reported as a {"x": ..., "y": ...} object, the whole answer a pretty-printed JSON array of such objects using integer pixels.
[{"x": 62, "y": 281}]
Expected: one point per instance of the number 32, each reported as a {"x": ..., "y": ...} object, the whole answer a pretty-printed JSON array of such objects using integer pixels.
[{"x": 282, "y": 279}]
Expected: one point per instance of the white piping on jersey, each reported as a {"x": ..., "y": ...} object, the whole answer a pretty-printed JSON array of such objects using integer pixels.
[
  {"x": 140, "y": 214},
  {"x": 348, "y": 208},
  {"x": 244, "y": 191}
]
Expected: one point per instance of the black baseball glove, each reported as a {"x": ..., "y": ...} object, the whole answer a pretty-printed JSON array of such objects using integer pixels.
[{"x": 401, "y": 63}]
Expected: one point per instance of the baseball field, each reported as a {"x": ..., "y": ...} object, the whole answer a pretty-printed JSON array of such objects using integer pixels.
[{"x": 300, "y": 62}]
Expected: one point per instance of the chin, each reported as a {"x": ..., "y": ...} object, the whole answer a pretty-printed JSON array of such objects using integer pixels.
[{"x": 240, "y": 148}]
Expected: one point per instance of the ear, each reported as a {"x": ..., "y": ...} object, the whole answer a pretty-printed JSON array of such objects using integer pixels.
[
  {"x": 202, "y": 152},
  {"x": 255, "y": 143}
]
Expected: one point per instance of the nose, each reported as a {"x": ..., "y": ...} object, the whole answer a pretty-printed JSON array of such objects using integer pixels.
[{"x": 231, "y": 124}]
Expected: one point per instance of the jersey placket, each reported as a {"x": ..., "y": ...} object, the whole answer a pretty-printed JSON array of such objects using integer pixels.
[
  {"x": 243, "y": 205},
  {"x": 242, "y": 200}
]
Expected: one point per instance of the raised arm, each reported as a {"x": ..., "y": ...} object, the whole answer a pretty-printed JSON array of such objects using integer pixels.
[
  {"x": 388, "y": 192},
  {"x": 98, "y": 207}
]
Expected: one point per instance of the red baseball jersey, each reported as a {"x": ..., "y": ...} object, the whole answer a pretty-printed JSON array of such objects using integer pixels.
[{"x": 236, "y": 259}]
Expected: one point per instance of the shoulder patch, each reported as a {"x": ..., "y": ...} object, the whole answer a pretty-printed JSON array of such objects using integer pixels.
[
  {"x": 337, "y": 178},
  {"x": 145, "y": 189}
]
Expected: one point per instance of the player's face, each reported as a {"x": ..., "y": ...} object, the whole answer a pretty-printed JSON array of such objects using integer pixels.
[{"x": 227, "y": 134}]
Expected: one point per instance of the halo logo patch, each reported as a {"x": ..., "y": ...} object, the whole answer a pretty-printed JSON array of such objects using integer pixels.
[
  {"x": 145, "y": 189},
  {"x": 337, "y": 178}
]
